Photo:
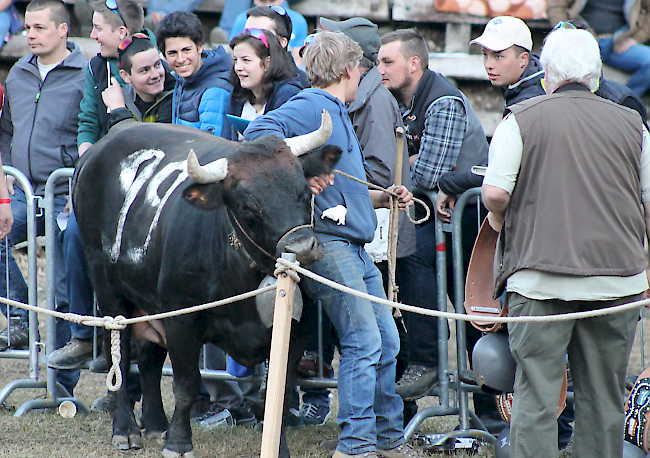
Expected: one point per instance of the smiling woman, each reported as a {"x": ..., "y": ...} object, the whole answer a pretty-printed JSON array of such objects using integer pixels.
[{"x": 263, "y": 76}]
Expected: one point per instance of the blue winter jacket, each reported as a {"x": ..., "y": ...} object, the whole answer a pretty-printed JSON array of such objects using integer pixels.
[
  {"x": 202, "y": 99},
  {"x": 301, "y": 115}
]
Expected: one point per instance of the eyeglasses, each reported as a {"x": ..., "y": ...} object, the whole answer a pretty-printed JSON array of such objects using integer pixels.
[
  {"x": 285, "y": 16},
  {"x": 257, "y": 33},
  {"x": 112, "y": 5},
  {"x": 563, "y": 25},
  {"x": 308, "y": 40},
  {"x": 128, "y": 40}
]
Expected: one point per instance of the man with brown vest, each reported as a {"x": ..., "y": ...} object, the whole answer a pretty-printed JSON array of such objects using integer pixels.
[{"x": 567, "y": 184}]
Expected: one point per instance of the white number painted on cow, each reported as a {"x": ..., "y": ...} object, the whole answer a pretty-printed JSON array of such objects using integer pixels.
[{"x": 133, "y": 179}]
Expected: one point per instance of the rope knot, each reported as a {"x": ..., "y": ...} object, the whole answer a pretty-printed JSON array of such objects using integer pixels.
[
  {"x": 284, "y": 266},
  {"x": 114, "y": 323}
]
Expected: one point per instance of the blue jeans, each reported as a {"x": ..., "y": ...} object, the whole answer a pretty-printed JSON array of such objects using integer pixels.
[
  {"x": 79, "y": 288},
  {"x": 635, "y": 60},
  {"x": 370, "y": 413}
]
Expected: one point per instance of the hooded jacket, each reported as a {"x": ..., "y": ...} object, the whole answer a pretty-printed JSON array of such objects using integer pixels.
[
  {"x": 374, "y": 108},
  {"x": 529, "y": 84},
  {"x": 302, "y": 115},
  {"x": 38, "y": 126},
  {"x": 282, "y": 92},
  {"x": 201, "y": 100}
]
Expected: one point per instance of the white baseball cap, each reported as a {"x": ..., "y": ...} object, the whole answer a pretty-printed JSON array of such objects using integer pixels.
[{"x": 505, "y": 31}]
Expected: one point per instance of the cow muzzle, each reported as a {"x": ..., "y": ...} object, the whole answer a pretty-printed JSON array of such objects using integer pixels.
[{"x": 303, "y": 243}]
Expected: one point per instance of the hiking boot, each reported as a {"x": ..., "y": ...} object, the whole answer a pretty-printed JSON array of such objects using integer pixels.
[
  {"x": 74, "y": 354},
  {"x": 106, "y": 403},
  {"x": 337, "y": 454},
  {"x": 309, "y": 365},
  {"x": 314, "y": 415},
  {"x": 402, "y": 451},
  {"x": 416, "y": 382},
  {"x": 19, "y": 335},
  {"x": 99, "y": 365}
]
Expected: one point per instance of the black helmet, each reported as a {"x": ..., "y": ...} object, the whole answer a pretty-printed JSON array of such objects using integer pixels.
[{"x": 493, "y": 363}]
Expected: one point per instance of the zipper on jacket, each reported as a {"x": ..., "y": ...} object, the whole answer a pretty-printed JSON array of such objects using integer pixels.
[{"x": 31, "y": 133}]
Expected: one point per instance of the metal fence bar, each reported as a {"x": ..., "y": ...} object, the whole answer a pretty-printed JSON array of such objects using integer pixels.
[{"x": 32, "y": 353}]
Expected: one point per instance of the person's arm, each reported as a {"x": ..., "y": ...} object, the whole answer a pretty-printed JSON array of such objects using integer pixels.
[
  {"x": 89, "y": 124},
  {"x": 641, "y": 31},
  {"x": 442, "y": 138},
  {"x": 6, "y": 215},
  {"x": 6, "y": 131},
  {"x": 212, "y": 110},
  {"x": 504, "y": 161},
  {"x": 381, "y": 199},
  {"x": 558, "y": 10}
]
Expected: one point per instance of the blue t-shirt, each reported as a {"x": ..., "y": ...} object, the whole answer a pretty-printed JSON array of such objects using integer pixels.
[{"x": 298, "y": 23}]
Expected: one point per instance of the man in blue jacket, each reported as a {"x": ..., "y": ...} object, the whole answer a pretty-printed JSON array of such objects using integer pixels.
[
  {"x": 203, "y": 86},
  {"x": 370, "y": 412},
  {"x": 38, "y": 134}
]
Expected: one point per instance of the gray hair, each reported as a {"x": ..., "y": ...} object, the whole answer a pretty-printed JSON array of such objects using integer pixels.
[{"x": 571, "y": 56}]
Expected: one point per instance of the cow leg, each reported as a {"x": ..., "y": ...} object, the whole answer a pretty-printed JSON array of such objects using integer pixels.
[
  {"x": 151, "y": 358},
  {"x": 126, "y": 432},
  {"x": 184, "y": 350}
]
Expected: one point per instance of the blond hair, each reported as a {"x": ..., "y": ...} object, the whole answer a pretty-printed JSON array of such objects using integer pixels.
[{"x": 329, "y": 56}]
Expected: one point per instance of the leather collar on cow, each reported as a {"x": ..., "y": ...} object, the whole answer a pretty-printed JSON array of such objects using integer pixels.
[
  {"x": 241, "y": 240},
  {"x": 249, "y": 246}
]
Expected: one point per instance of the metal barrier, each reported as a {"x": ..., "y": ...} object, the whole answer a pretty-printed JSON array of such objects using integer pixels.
[
  {"x": 449, "y": 380},
  {"x": 32, "y": 353}
]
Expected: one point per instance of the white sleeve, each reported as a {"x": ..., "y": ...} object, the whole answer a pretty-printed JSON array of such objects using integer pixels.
[{"x": 504, "y": 157}]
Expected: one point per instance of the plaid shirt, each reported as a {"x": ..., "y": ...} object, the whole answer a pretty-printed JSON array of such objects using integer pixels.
[{"x": 442, "y": 138}]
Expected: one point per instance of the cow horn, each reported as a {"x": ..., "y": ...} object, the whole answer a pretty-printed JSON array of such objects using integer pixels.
[
  {"x": 209, "y": 173},
  {"x": 304, "y": 143}
]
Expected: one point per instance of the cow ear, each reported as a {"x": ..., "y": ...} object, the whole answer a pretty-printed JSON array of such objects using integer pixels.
[
  {"x": 204, "y": 196},
  {"x": 321, "y": 161}
]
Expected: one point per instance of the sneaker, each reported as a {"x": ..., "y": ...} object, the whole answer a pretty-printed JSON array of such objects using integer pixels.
[
  {"x": 416, "y": 382},
  {"x": 19, "y": 335},
  {"x": 402, "y": 451},
  {"x": 243, "y": 416},
  {"x": 314, "y": 415},
  {"x": 74, "y": 354}
]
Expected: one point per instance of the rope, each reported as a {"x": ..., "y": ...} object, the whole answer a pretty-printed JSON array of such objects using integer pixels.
[
  {"x": 462, "y": 316},
  {"x": 115, "y": 324},
  {"x": 394, "y": 194}
]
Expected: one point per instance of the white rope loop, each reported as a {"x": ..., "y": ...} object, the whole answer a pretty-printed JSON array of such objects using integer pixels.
[
  {"x": 288, "y": 268},
  {"x": 114, "y": 378}
]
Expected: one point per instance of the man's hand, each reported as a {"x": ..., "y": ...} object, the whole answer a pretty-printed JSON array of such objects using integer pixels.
[
  {"x": 319, "y": 183},
  {"x": 444, "y": 205},
  {"x": 6, "y": 220},
  {"x": 625, "y": 45},
  {"x": 10, "y": 184},
  {"x": 85, "y": 146},
  {"x": 112, "y": 95},
  {"x": 496, "y": 222},
  {"x": 404, "y": 199}
]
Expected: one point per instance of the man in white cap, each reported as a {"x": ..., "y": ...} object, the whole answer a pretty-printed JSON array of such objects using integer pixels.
[{"x": 508, "y": 61}]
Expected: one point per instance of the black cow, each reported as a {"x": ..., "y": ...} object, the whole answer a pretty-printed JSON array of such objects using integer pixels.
[{"x": 158, "y": 240}]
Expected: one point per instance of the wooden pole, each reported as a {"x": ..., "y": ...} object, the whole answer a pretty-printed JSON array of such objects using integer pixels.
[
  {"x": 394, "y": 217},
  {"x": 277, "y": 376}
]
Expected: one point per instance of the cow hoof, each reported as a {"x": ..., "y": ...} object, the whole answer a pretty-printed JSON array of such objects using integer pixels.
[
  {"x": 127, "y": 443},
  {"x": 166, "y": 453}
]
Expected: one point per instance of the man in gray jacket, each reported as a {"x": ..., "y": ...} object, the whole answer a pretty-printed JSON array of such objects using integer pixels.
[{"x": 38, "y": 134}]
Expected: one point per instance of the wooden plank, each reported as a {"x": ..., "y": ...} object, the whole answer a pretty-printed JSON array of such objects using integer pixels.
[
  {"x": 277, "y": 366},
  {"x": 375, "y": 10},
  {"x": 458, "y": 65}
]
